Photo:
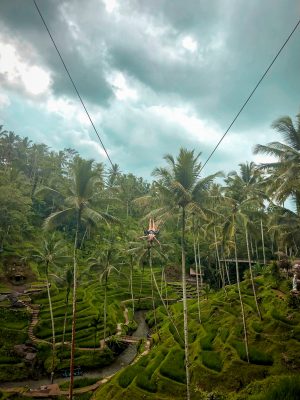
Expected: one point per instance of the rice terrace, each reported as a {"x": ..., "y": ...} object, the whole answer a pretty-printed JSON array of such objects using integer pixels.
[{"x": 150, "y": 200}]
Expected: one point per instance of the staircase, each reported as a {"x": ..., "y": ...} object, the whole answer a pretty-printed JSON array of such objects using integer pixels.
[{"x": 35, "y": 310}]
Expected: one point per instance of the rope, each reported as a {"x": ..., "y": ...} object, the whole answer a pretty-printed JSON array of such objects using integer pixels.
[
  {"x": 251, "y": 94},
  {"x": 73, "y": 83}
]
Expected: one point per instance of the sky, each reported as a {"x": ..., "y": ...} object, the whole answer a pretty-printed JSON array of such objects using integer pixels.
[{"x": 155, "y": 76}]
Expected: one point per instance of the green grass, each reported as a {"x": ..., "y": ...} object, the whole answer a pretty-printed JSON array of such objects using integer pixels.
[
  {"x": 212, "y": 360},
  {"x": 79, "y": 383},
  {"x": 172, "y": 367},
  {"x": 284, "y": 388},
  {"x": 217, "y": 352},
  {"x": 207, "y": 341},
  {"x": 256, "y": 356},
  {"x": 127, "y": 376}
]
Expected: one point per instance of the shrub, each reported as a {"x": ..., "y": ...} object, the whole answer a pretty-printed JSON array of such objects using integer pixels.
[
  {"x": 173, "y": 366},
  {"x": 212, "y": 360}
]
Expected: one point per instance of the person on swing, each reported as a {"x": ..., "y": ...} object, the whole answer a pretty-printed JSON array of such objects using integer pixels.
[{"x": 151, "y": 232}]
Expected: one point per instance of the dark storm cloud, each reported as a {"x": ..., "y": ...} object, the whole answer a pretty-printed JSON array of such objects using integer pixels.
[
  {"x": 252, "y": 33},
  {"x": 143, "y": 39},
  {"x": 22, "y": 24}
]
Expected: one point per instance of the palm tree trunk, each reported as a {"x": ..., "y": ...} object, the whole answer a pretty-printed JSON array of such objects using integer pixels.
[
  {"x": 131, "y": 283},
  {"x": 221, "y": 270},
  {"x": 52, "y": 323},
  {"x": 105, "y": 306},
  {"x": 65, "y": 323},
  {"x": 226, "y": 269},
  {"x": 263, "y": 240},
  {"x": 241, "y": 301},
  {"x": 185, "y": 310},
  {"x": 256, "y": 251},
  {"x": 199, "y": 264},
  {"x": 166, "y": 289},
  {"x": 197, "y": 277},
  {"x": 152, "y": 291},
  {"x": 142, "y": 280},
  {"x": 251, "y": 244},
  {"x": 83, "y": 238},
  {"x": 74, "y": 307},
  {"x": 251, "y": 274},
  {"x": 162, "y": 280}
]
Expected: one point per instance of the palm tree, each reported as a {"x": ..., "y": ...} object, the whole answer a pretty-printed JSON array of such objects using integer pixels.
[
  {"x": 81, "y": 194},
  {"x": 246, "y": 198},
  {"x": 51, "y": 253},
  {"x": 180, "y": 189},
  {"x": 283, "y": 181}
]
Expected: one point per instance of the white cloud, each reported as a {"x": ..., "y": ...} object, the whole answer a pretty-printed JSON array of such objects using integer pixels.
[
  {"x": 189, "y": 44},
  {"x": 263, "y": 159},
  {"x": 35, "y": 79},
  {"x": 82, "y": 140},
  {"x": 121, "y": 88},
  {"x": 196, "y": 128},
  {"x": 110, "y": 5},
  {"x": 4, "y": 100},
  {"x": 70, "y": 110},
  {"x": 17, "y": 72}
]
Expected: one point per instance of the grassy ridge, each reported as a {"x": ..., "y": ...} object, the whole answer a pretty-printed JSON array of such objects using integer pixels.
[{"x": 217, "y": 352}]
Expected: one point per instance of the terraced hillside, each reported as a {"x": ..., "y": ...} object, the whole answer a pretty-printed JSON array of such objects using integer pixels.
[
  {"x": 217, "y": 352},
  {"x": 90, "y": 304},
  {"x": 13, "y": 330}
]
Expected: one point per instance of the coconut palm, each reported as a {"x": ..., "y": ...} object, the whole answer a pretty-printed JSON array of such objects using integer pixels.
[
  {"x": 81, "y": 194},
  {"x": 181, "y": 190},
  {"x": 284, "y": 179},
  {"x": 248, "y": 183},
  {"x": 49, "y": 254}
]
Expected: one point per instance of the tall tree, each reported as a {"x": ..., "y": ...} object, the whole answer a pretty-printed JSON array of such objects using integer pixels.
[
  {"x": 181, "y": 188},
  {"x": 49, "y": 254},
  {"x": 284, "y": 174},
  {"x": 81, "y": 193}
]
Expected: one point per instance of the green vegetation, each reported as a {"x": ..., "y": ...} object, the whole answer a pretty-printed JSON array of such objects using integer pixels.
[
  {"x": 74, "y": 268},
  {"x": 79, "y": 383},
  {"x": 218, "y": 360}
]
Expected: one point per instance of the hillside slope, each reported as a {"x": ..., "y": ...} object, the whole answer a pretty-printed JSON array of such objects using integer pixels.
[{"x": 217, "y": 353}]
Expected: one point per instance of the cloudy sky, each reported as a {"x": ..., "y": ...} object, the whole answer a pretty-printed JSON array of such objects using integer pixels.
[{"x": 155, "y": 75}]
